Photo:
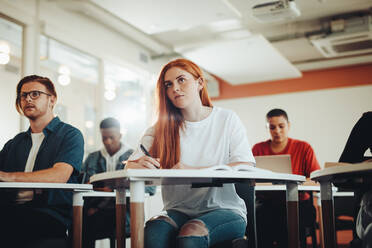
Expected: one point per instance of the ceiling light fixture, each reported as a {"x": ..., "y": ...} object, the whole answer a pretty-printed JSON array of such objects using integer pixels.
[
  {"x": 64, "y": 75},
  {"x": 4, "y": 53},
  {"x": 109, "y": 95}
]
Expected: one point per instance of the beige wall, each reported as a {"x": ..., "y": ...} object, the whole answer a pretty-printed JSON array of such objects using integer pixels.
[{"x": 324, "y": 118}]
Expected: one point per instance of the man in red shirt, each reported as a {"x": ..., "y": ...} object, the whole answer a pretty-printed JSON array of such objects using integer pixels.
[{"x": 271, "y": 209}]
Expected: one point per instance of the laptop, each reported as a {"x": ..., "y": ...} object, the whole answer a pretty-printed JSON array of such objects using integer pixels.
[{"x": 275, "y": 163}]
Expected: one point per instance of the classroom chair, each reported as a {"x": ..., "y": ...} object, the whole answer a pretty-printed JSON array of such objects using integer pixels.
[
  {"x": 310, "y": 230},
  {"x": 246, "y": 191}
]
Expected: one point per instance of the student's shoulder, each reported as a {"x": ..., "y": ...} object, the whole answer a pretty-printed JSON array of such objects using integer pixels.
[
  {"x": 367, "y": 116},
  {"x": 63, "y": 130},
  {"x": 14, "y": 141},
  {"x": 261, "y": 145},
  {"x": 300, "y": 143},
  {"x": 94, "y": 154},
  {"x": 224, "y": 113},
  {"x": 19, "y": 136},
  {"x": 126, "y": 154},
  {"x": 68, "y": 128},
  {"x": 150, "y": 131}
]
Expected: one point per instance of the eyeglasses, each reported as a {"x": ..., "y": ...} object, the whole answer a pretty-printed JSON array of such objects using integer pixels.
[{"x": 33, "y": 94}]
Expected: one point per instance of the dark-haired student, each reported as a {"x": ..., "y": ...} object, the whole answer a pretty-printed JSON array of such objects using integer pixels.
[
  {"x": 271, "y": 211},
  {"x": 99, "y": 213},
  {"x": 49, "y": 151},
  {"x": 359, "y": 141}
]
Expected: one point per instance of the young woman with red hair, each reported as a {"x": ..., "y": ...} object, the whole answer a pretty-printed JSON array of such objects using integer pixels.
[{"x": 192, "y": 134}]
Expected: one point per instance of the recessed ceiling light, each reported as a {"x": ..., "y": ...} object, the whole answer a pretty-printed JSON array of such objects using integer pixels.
[
  {"x": 235, "y": 34},
  {"x": 225, "y": 25}
]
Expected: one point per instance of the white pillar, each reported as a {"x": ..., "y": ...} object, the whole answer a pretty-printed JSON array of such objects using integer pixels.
[{"x": 30, "y": 53}]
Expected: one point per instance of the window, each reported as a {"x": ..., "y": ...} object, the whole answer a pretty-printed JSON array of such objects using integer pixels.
[
  {"x": 75, "y": 75},
  {"x": 126, "y": 99},
  {"x": 10, "y": 73}
]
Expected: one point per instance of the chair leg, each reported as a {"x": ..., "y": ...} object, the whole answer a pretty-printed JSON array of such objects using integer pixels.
[
  {"x": 303, "y": 239},
  {"x": 112, "y": 242},
  {"x": 313, "y": 237}
]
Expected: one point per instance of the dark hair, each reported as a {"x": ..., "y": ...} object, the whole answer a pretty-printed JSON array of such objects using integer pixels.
[
  {"x": 34, "y": 78},
  {"x": 109, "y": 123},
  {"x": 277, "y": 112}
]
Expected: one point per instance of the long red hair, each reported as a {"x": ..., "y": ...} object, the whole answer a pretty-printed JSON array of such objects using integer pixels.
[{"x": 166, "y": 145}]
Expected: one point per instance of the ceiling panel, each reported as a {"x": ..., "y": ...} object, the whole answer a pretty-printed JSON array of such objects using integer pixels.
[
  {"x": 224, "y": 38},
  {"x": 298, "y": 50},
  {"x": 164, "y": 15},
  {"x": 249, "y": 60}
]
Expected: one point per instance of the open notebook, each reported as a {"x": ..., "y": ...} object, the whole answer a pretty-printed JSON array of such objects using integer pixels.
[
  {"x": 275, "y": 163},
  {"x": 330, "y": 164},
  {"x": 239, "y": 167}
]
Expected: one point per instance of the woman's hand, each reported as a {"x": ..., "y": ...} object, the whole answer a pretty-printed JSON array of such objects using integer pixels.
[
  {"x": 144, "y": 162},
  {"x": 182, "y": 166}
]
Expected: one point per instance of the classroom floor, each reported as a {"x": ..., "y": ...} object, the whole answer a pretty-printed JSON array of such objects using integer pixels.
[{"x": 343, "y": 239}]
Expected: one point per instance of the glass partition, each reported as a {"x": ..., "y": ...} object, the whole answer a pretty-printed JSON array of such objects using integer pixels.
[
  {"x": 10, "y": 73},
  {"x": 126, "y": 99},
  {"x": 75, "y": 75}
]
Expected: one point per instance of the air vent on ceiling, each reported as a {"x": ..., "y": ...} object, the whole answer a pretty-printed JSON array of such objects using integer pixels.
[{"x": 355, "y": 37}]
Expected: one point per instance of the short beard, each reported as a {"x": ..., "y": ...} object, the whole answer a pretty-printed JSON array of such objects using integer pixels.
[{"x": 30, "y": 117}]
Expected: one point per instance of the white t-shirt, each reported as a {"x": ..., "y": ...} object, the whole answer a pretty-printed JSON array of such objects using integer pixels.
[
  {"x": 27, "y": 195},
  {"x": 218, "y": 139},
  {"x": 37, "y": 139},
  {"x": 112, "y": 161}
]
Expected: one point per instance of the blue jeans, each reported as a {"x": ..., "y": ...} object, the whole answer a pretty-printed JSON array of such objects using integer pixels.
[{"x": 222, "y": 225}]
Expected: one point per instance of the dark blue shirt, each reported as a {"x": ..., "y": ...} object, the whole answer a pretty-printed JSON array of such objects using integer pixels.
[{"x": 62, "y": 143}]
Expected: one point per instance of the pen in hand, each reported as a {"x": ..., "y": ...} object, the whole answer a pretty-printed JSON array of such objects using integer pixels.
[
  {"x": 144, "y": 150},
  {"x": 146, "y": 153}
]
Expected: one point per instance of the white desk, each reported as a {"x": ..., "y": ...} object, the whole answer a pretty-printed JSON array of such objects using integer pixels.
[
  {"x": 260, "y": 187},
  {"x": 351, "y": 176},
  {"x": 137, "y": 179},
  {"x": 77, "y": 189}
]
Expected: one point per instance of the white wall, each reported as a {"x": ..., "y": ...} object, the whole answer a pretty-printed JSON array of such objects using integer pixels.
[{"x": 324, "y": 118}]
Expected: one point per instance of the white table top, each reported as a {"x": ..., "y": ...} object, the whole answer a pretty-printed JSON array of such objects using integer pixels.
[
  {"x": 99, "y": 194},
  {"x": 65, "y": 186},
  {"x": 328, "y": 173},
  {"x": 169, "y": 176},
  {"x": 283, "y": 188}
]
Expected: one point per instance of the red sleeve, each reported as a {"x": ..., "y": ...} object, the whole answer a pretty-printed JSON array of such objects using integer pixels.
[
  {"x": 260, "y": 149},
  {"x": 255, "y": 150}
]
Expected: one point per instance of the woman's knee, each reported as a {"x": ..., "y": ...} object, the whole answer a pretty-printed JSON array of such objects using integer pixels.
[
  {"x": 160, "y": 231},
  {"x": 193, "y": 228},
  {"x": 162, "y": 218}
]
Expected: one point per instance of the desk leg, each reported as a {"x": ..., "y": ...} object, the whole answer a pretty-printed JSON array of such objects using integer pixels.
[
  {"x": 328, "y": 215},
  {"x": 137, "y": 198},
  {"x": 77, "y": 224},
  {"x": 319, "y": 210},
  {"x": 121, "y": 217},
  {"x": 292, "y": 215}
]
